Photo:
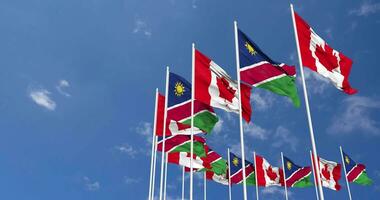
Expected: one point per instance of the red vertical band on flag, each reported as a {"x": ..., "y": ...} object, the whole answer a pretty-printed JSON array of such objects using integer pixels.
[{"x": 160, "y": 115}]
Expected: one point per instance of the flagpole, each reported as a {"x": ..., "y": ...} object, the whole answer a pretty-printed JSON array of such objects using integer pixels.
[
  {"x": 153, "y": 147},
  {"x": 164, "y": 133},
  {"x": 283, "y": 168},
  {"x": 166, "y": 174},
  {"x": 229, "y": 174},
  {"x": 192, "y": 119},
  {"x": 204, "y": 187},
  {"x": 183, "y": 183},
  {"x": 315, "y": 179},
  {"x": 154, "y": 167},
  {"x": 314, "y": 148},
  {"x": 257, "y": 183},
  {"x": 345, "y": 172},
  {"x": 240, "y": 110}
]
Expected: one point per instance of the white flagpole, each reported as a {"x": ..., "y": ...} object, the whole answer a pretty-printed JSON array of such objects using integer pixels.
[
  {"x": 283, "y": 168},
  {"x": 192, "y": 119},
  {"x": 314, "y": 148},
  {"x": 257, "y": 183},
  {"x": 229, "y": 174},
  {"x": 154, "y": 167},
  {"x": 315, "y": 178},
  {"x": 240, "y": 111},
  {"x": 153, "y": 147},
  {"x": 204, "y": 187},
  {"x": 166, "y": 174},
  {"x": 183, "y": 183},
  {"x": 164, "y": 134},
  {"x": 345, "y": 173}
]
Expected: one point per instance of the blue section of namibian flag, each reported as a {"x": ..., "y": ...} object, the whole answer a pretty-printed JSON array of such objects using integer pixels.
[
  {"x": 179, "y": 90},
  {"x": 289, "y": 167},
  {"x": 235, "y": 163},
  {"x": 250, "y": 53},
  {"x": 348, "y": 162}
]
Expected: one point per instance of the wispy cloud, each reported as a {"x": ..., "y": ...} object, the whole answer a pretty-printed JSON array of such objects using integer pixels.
[
  {"x": 62, "y": 85},
  {"x": 218, "y": 126},
  {"x": 283, "y": 137},
  {"x": 142, "y": 28},
  {"x": 366, "y": 8},
  {"x": 146, "y": 130},
  {"x": 91, "y": 185},
  {"x": 194, "y": 4},
  {"x": 262, "y": 100},
  {"x": 316, "y": 84},
  {"x": 256, "y": 131},
  {"x": 274, "y": 191},
  {"x": 130, "y": 180},
  {"x": 127, "y": 149},
  {"x": 42, "y": 98},
  {"x": 355, "y": 115}
]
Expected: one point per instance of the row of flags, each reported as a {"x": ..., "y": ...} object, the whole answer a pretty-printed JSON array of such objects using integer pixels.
[
  {"x": 260, "y": 171},
  {"x": 186, "y": 112}
]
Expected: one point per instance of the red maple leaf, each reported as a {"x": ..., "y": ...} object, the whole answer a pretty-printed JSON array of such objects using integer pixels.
[
  {"x": 325, "y": 172},
  {"x": 271, "y": 174},
  {"x": 225, "y": 90}
]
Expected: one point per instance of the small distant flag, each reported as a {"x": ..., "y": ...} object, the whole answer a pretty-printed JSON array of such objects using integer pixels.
[
  {"x": 356, "y": 173},
  {"x": 258, "y": 70},
  {"x": 214, "y": 87},
  {"x": 179, "y": 107},
  {"x": 236, "y": 170},
  {"x": 184, "y": 159},
  {"x": 318, "y": 56},
  {"x": 295, "y": 175},
  {"x": 267, "y": 175}
]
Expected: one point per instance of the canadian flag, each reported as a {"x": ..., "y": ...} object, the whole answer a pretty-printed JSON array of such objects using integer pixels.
[
  {"x": 330, "y": 174},
  {"x": 266, "y": 174},
  {"x": 320, "y": 57},
  {"x": 214, "y": 87},
  {"x": 184, "y": 159}
]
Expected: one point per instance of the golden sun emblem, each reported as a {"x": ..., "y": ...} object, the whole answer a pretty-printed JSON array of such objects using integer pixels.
[
  {"x": 235, "y": 161},
  {"x": 179, "y": 89},
  {"x": 289, "y": 165},
  {"x": 250, "y": 49},
  {"x": 347, "y": 160}
]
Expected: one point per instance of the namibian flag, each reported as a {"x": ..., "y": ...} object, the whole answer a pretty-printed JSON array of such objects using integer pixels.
[
  {"x": 236, "y": 171},
  {"x": 182, "y": 143},
  {"x": 295, "y": 175},
  {"x": 179, "y": 106},
  {"x": 356, "y": 173},
  {"x": 258, "y": 70}
]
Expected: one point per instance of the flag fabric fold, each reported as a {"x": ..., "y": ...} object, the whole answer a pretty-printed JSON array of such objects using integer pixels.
[
  {"x": 214, "y": 87},
  {"x": 318, "y": 56},
  {"x": 296, "y": 176},
  {"x": 181, "y": 143},
  {"x": 258, "y": 70},
  {"x": 356, "y": 173}
]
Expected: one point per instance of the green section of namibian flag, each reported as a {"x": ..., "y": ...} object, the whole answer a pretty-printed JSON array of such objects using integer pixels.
[
  {"x": 363, "y": 179},
  {"x": 204, "y": 120},
  {"x": 284, "y": 86},
  {"x": 304, "y": 182}
]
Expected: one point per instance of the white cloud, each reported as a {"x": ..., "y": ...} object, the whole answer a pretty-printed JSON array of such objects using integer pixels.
[
  {"x": 256, "y": 131},
  {"x": 194, "y": 4},
  {"x": 316, "y": 83},
  {"x": 355, "y": 115},
  {"x": 62, "y": 84},
  {"x": 127, "y": 149},
  {"x": 146, "y": 130},
  {"x": 41, "y": 97},
  {"x": 283, "y": 137},
  {"x": 91, "y": 185},
  {"x": 129, "y": 180},
  {"x": 218, "y": 126},
  {"x": 366, "y": 8},
  {"x": 142, "y": 27},
  {"x": 275, "y": 191},
  {"x": 262, "y": 100}
]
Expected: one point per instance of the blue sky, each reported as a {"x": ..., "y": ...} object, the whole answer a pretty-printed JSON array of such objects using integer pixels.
[{"x": 78, "y": 78}]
